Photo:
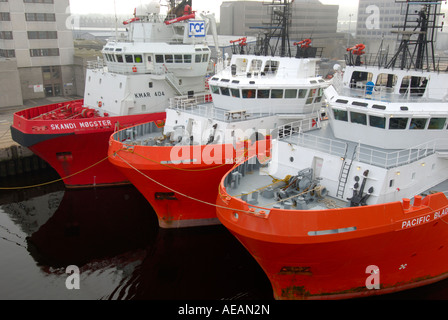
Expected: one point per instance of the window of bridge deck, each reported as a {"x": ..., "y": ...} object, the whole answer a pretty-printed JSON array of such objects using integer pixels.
[
  {"x": 387, "y": 80},
  {"x": 271, "y": 66},
  {"x": 360, "y": 78},
  {"x": 414, "y": 85},
  {"x": 235, "y": 93},
  {"x": 255, "y": 65},
  {"x": 436, "y": 123}
]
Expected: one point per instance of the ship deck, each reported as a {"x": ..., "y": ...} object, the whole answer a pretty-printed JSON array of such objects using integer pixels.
[
  {"x": 146, "y": 134},
  {"x": 209, "y": 110},
  {"x": 254, "y": 182},
  {"x": 253, "y": 187},
  {"x": 252, "y": 179}
]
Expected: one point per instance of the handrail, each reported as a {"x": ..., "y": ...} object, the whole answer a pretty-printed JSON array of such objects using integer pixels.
[
  {"x": 398, "y": 158},
  {"x": 300, "y": 126},
  {"x": 331, "y": 146},
  {"x": 369, "y": 155}
]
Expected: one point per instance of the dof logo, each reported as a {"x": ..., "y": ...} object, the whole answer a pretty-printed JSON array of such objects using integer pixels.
[{"x": 196, "y": 28}]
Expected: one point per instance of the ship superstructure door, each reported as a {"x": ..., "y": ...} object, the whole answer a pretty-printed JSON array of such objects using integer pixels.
[
  {"x": 317, "y": 166},
  {"x": 150, "y": 63}
]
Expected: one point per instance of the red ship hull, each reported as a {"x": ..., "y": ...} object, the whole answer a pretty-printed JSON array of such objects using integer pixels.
[
  {"x": 182, "y": 195},
  {"x": 305, "y": 258},
  {"x": 75, "y": 148}
]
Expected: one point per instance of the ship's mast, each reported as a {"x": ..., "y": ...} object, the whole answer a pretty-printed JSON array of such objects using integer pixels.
[
  {"x": 277, "y": 28},
  {"x": 418, "y": 35}
]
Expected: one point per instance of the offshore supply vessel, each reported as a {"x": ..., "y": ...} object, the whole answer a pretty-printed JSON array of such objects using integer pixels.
[
  {"x": 160, "y": 57},
  {"x": 357, "y": 207},
  {"x": 179, "y": 171}
]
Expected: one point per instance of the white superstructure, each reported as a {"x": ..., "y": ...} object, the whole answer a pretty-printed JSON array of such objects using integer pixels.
[
  {"x": 386, "y": 138},
  {"x": 159, "y": 58},
  {"x": 251, "y": 96}
]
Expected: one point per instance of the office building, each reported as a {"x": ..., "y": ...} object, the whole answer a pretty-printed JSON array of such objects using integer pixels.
[
  {"x": 309, "y": 19},
  {"x": 34, "y": 34}
]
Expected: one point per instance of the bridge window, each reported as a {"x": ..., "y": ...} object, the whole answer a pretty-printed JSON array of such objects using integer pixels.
[
  {"x": 214, "y": 89},
  {"x": 360, "y": 78},
  {"x": 119, "y": 58},
  {"x": 416, "y": 85},
  {"x": 225, "y": 91},
  {"x": 277, "y": 93},
  {"x": 129, "y": 58},
  {"x": 386, "y": 80},
  {"x": 187, "y": 58},
  {"x": 178, "y": 58},
  {"x": 377, "y": 122},
  {"x": 255, "y": 65},
  {"x": 263, "y": 94},
  {"x": 311, "y": 96},
  {"x": 436, "y": 123},
  {"x": 271, "y": 66},
  {"x": 249, "y": 93},
  {"x": 303, "y": 93},
  {"x": 418, "y": 124},
  {"x": 198, "y": 58},
  {"x": 235, "y": 93},
  {"x": 360, "y": 118},
  {"x": 340, "y": 115},
  {"x": 398, "y": 123},
  {"x": 320, "y": 93},
  {"x": 138, "y": 58},
  {"x": 159, "y": 58},
  {"x": 291, "y": 93},
  {"x": 169, "y": 58}
]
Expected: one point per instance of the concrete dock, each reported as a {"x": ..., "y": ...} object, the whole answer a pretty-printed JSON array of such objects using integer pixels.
[{"x": 15, "y": 159}]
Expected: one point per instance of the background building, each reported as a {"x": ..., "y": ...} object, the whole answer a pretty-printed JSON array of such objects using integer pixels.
[
  {"x": 34, "y": 33},
  {"x": 310, "y": 19},
  {"x": 376, "y": 20}
]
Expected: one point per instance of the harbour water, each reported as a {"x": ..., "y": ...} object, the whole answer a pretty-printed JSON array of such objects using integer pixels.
[{"x": 112, "y": 236}]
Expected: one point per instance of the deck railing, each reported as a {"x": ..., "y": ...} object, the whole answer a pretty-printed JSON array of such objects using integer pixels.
[
  {"x": 370, "y": 155},
  {"x": 398, "y": 158}
]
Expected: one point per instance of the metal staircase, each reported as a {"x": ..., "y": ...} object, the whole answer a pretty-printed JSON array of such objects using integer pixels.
[
  {"x": 173, "y": 82},
  {"x": 343, "y": 175}
]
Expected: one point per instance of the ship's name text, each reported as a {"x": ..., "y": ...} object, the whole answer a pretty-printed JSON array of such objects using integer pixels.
[
  {"x": 148, "y": 94},
  {"x": 82, "y": 125},
  {"x": 423, "y": 219}
]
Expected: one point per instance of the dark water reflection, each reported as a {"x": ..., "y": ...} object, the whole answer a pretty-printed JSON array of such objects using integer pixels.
[{"x": 112, "y": 235}]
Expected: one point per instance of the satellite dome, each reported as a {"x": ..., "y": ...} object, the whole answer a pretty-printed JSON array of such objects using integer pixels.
[{"x": 150, "y": 8}]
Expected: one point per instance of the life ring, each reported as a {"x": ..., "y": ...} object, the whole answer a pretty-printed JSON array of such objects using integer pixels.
[
  {"x": 134, "y": 69},
  {"x": 100, "y": 104}
]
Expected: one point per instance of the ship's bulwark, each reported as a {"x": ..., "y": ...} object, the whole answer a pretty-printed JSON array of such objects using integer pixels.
[
  {"x": 187, "y": 196},
  {"x": 76, "y": 148}
]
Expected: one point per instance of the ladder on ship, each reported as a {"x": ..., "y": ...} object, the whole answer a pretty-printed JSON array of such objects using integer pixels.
[
  {"x": 343, "y": 175},
  {"x": 172, "y": 81}
]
